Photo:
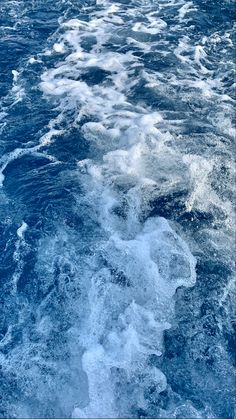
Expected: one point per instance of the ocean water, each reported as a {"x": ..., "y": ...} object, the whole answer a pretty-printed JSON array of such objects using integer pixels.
[{"x": 117, "y": 209}]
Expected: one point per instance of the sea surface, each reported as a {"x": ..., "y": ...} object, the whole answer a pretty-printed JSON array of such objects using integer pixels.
[{"x": 117, "y": 209}]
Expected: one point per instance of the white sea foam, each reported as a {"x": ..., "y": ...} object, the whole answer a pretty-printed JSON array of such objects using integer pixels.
[
  {"x": 186, "y": 9},
  {"x": 128, "y": 313},
  {"x": 153, "y": 27},
  {"x": 21, "y": 250},
  {"x": 17, "y": 90},
  {"x": 21, "y": 230},
  {"x": 130, "y": 298}
]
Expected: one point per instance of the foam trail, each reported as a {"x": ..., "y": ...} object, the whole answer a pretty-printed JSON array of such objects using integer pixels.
[
  {"x": 130, "y": 295},
  {"x": 21, "y": 230}
]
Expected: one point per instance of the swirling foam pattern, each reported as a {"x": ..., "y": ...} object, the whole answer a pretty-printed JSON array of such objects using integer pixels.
[{"x": 117, "y": 183}]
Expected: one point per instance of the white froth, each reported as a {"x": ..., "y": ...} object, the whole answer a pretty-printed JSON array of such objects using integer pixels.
[
  {"x": 185, "y": 9},
  {"x": 153, "y": 27},
  {"x": 21, "y": 230},
  {"x": 59, "y": 47},
  {"x": 15, "y": 75},
  {"x": 2, "y": 177},
  {"x": 142, "y": 310},
  {"x": 143, "y": 257},
  {"x": 33, "y": 60}
]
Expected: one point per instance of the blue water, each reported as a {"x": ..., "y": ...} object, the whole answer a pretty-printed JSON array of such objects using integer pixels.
[{"x": 116, "y": 209}]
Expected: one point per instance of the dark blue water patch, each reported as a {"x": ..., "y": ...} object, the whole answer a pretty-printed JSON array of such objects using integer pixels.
[
  {"x": 70, "y": 147},
  {"x": 202, "y": 341},
  {"x": 158, "y": 100},
  {"x": 216, "y": 271},
  {"x": 20, "y": 43},
  {"x": 10, "y": 220},
  {"x": 222, "y": 177},
  {"x": 230, "y": 339},
  {"x": 188, "y": 366},
  {"x": 169, "y": 206},
  {"x": 44, "y": 192},
  {"x": 157, "y": 62},
  {"x": 94, "y": 76},
  {"x": 173, "y": 206},
  {"x": 11, "y": 52},
  {"x": 196, "y": 218},
  {"x": 25, "y": 125},
  {"x": 8, "y": 265},
  {"x": 88, "y": 42},
  {"x": 10, "y": 390},
  {"x": 27, "y": 284},
  {"x": 221, "y": 13}
]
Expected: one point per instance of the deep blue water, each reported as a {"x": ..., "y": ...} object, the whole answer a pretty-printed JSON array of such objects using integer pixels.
[{"x": 117, "y": 209}]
